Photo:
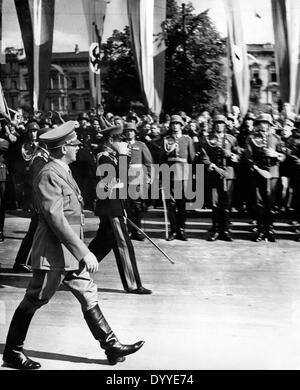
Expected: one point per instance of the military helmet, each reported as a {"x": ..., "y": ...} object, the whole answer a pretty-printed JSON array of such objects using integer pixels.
[
  {"x": 264, "y": 118},
  {"x": 219, "y": 119}
]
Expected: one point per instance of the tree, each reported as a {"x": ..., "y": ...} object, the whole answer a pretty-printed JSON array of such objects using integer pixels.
[
  {"x": 120, "y": 76},
  {"x": 194, "y": 77}
]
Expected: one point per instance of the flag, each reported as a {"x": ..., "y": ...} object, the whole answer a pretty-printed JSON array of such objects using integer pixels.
[
  {"x": 95, "y": 11},
  {"x": 2, "y": 56},
  {"x": 36, "y": 19},
  {"x": 281, "y": 47},
  {"x": 238, "y": 56},
  {"x": 286, "y": 25},
  {"x": 145, "y": 21}
]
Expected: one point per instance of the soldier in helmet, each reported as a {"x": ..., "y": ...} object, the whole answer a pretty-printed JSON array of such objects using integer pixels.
[
  {"x": 140, "y": 165},
  {"x": 263, "y": 151},
  {"x": 292, "y": 149},
  {"x": 243, "y": 196},
  {"x": 177, "y": 151},
  {"x": 84, "y": 168},
  {"x": 220, "y": 153}
]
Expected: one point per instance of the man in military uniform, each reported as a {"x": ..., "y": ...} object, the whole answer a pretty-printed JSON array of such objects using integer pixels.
[
  {"x": 292, "y": 162},
  {"x": 244, "y": 198},
  {"x": 4, "y": 146},
  {"x": 59, "y": 255},
  {"x": 263, "y": 151},
  {"x": 220, "y": 154},
  {"x": 84, "y": 168},
  {"x": 140, "y": 162},
  {"x": 112, "y": 233},
  {"x": 38, "y": 159},
  {"x": 178, "y": 152}
]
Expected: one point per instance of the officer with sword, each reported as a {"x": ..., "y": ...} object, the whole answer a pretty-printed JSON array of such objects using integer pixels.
[
  {"x": 113, "y": 233},
  {"x": 220, "y": 153},
  {"x": 264, "y": 153}
]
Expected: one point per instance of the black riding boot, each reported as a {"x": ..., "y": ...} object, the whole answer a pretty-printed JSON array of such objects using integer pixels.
[
  {"x": 214, "y": 232},
  {"x": 224, "y": 225},
  {"x": 13, "y": 354},
  {"x": 114, "y": 350}
]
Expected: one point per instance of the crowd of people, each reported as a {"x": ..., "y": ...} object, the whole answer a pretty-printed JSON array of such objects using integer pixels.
[{"x": 251, "y": 163}]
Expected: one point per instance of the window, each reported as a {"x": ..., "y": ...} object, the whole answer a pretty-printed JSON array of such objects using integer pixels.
[
  {"x": 86, "y": 83},
  {"x": 13, "y": 84},
  {"x": 273, "y": 77},
  {"x": 87, "y": 105},
  {"x": 73, "y": 82},
  {"x": 73, "y": 106}
]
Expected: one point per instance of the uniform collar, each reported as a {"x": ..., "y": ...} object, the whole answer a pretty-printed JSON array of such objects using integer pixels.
[{"x": 61, "y": 163}]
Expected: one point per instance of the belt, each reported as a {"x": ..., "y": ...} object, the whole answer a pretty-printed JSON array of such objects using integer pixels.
[
  {"x": 177, "y": 159},
  {"x": 135, "y": 165}
]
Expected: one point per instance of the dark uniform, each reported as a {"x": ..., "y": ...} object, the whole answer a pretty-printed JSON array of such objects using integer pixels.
[
  {"x": 139, "y": 176},
  {"x": 4, "y": 146},
  {"x": 292, "y": 166},
  {"x": 84, "y": 168},
  {"x": 112, "y": 233},
  {"x": 60, "y": 256},
  {"x": 178, "y": 152},
  {"x": 243, "y": 197},
  {"x": 220, "y": 154},
  {"x": 265, "y": 174},
  {"x": 37, "y": 162}
]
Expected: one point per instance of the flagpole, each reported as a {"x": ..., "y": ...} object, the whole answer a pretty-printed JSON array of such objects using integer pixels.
[{"x": 229, "y": 75}]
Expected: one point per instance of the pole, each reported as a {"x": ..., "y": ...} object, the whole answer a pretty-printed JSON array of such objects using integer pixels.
[
  {"x": 163, "y": 197},
  {"x": 149, "y": 239}
]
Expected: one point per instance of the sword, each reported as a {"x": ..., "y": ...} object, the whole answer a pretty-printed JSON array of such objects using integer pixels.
[
  {"x": 165, "y": 211},
  {"x": 149, "y": 239}
]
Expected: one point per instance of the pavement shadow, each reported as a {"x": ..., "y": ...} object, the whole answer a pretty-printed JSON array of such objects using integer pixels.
[
  {"x": 21, "y": 281},
  {"x": 60, "y": 357},
  {"x": 13, "y": 280},
  {"x": 18, "y": 213},
  {"x": 14, "y": 238}
]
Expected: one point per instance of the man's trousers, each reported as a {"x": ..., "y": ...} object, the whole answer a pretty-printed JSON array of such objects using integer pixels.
[
  {"x": 44, "y": 284},
  {"x": 113, "y": 235}
]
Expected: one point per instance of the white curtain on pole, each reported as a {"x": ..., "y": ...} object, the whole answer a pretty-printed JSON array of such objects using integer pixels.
[{"x": 142, "y": 27}]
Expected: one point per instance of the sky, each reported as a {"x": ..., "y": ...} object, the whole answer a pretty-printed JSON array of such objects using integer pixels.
[{"x": 70, "y": 25}]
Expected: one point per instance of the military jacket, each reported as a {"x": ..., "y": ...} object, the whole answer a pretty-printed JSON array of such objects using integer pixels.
[
  {"x": 57, "y": 243},
  {"x": 178, "y": 153},
  {"x": 255, "y": 152},
  {"x": 109, "y": 207},
  {"x": 218, "y": 150},
  {"x": 140, "y": 163}
]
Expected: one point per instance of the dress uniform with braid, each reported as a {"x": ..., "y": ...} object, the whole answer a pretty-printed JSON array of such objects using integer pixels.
[
  {"x": 112, "y": 233},
  {"x": 220, "y": 154},
  {"x": 139, "y": 176},
  {"x": 178, "y": 152},
  {"x": 38, "y": 161},
  {"x": 59, "y": 255},
  {"x": 263, "y": 151}
]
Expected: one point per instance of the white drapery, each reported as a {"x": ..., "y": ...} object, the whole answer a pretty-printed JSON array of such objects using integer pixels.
[
  {"x": 145, "y": 19},
  {"x": 238, "y": 56}
]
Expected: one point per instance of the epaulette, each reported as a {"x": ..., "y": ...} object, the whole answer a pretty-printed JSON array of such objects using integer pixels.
[{"x": 42, "y": 153}]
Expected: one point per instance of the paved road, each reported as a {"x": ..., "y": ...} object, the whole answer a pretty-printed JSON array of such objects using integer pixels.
[{"x": 221, "y": 306}]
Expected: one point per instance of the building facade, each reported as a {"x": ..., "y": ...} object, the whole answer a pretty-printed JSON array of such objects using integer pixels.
[{"x": 68, "y": 89}]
